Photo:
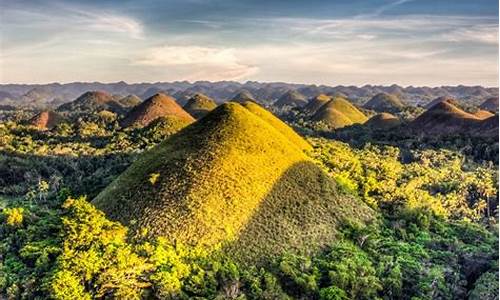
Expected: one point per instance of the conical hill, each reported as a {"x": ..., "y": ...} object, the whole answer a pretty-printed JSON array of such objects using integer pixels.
[
  {"x": 338, "y": 113},
  {"x": 158, "y": 105},
  {"x": 199, "y": 105},
  {"x": 234, "y": 177},
  {"x": 46, "y": 120}
]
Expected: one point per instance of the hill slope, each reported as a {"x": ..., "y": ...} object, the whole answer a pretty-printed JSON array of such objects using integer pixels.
[
  {"x": 243, "y": 96},
  {"x": 199, "y": 105},
  {"x": 93, "y": 101},
  {"x": 383, "y": 121},
  {"x": 231, "y": 178},
  {"x": 291, "y": 98},
  {"x": 46, "y": 120},
  {"x": 384, "y": 102},
  {"x": 490, "y": 104},
  {"x": 444, "y": 118},
  {"x": 158, "y": 105},
  {"x": 315, "y": 104},
  {"x": 441, "y": 99},
  {"x": 338, "y": 113}
]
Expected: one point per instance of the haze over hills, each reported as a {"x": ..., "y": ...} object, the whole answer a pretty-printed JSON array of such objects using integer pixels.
[
  {"x": 44, "y": 95},
  {"x": 204, "y": 193}
]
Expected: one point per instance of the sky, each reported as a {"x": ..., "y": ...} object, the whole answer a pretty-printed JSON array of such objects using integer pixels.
[{"x": 332, "y": 42}]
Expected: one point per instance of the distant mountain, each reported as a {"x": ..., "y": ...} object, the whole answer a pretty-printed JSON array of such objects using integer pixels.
[
  {"x": 490, "y": 104},
  {"x": 199, "y": 105},
  {"x": 239, "y": 177},
  {"x": 384, "y": 102},
  {"x": 383, "y": 121},
  {"x": 315, "y": 104},
  {"x": 159, "y": 105},
  {"x": 291, "y": 98},
  {"x": 46, "y": 120},
  {"x": 338, "y": 113}
]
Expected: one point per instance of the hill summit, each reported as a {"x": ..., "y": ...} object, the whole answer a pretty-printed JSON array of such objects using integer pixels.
[
  {"x": 291, "y": 98},
  {"x": 239, "y": 177},
  {"x": 384, "y": 102},
  {"x": 158, "y": 105},
  {"x": 243, "y": 96},
  {"x": 315, "y": 104},
  {"x": 199, "y": 105},
  {"x": 338, "y": 113},
  {"x": 383, "y": 121},
  {"x": 93, "y": 101}
]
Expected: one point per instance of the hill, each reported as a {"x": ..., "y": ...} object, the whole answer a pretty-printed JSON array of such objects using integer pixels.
[
  {"x": 383, "y": 121},
  {"x": 291, "y": 98},
  {"x": 315, "y": 104},
  {"x": 243, "y": 96},
  {"x": 199, "y": 105},
  {"x": 46, "y": 120},
  {"x": 441, "y": 99},
  {"x": 129, "y": 101},
  {"x": 93, "y": 101},
  {"x": 158, "y": 105},
  {"x": 444, "y": 118},
  {"x": 338, "y": 113},
  {"x": 235, "y": 177},
  {"x": 383, "y": 102},
  {"x": 490, "y": 104}
]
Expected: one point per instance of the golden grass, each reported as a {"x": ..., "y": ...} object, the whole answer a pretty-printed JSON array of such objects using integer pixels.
[{"x": 338, "y": 113}]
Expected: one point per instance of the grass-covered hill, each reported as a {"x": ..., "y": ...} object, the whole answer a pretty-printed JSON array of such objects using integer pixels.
[
  {"x": 46, "y": 119},
  {"x": 315, "y": 104},
  {"x": 383, "y": 121},
  {"x": 384, "y": 102},
  {"x": 243, "y": 96},
  {"x": 291, "y": 98},
  {"x": 199, "y": 105},
  {"x": 158, "y": 105},
  {"x": 483, "y": 114},
  {"x": 490, "y": 104},
  {"x": 129, "y": 101},
  {"x": 441, "y": 99},
  {"x": 93, "y": 101},
  {"x": 445, "y": 118},
  {"x": 338, "y": 113},
  {"x": 240, "y": 177}
]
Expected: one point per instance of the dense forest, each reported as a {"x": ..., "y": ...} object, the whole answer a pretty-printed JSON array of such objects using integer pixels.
[{"x": 432, "y": 232}]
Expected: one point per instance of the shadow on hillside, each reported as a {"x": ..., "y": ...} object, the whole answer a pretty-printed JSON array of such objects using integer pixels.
[
  {"x": 479, "y": 148},
  {"x": 83, "y": 175},
  {"x": 300, "y": 214}
]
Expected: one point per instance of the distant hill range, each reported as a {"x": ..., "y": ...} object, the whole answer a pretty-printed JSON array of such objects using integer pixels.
[{"x": 54, "y": 94}]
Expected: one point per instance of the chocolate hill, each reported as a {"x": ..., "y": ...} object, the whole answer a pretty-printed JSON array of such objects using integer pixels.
[
  {"x": 199, "y": 105},
  {"x": 338, "y": 113},
  {"x": 238, "y": 177},
  {"x": 158, "y": 105},
  {"x": 315, "y": 104},
  {"x": 291, "y": 98},
  {"x": 94, "y": 101},
  {"x": 46, "y": 120},
  {"x": 445, "y": 118},
  {"x": 243, "y": 96},
  {"x": 441, "y": 99},
  {"x": 383, "y": 121},
  {"x": 490, "y": 104},
  {"x": 384, "y": 102}
]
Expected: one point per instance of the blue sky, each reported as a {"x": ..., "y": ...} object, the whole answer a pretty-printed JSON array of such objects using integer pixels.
[{"x": 407, "y": 42}]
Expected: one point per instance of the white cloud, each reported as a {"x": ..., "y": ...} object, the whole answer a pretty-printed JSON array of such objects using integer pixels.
[
  {"x": 487, "y": 34},
  {"x": 198, "y": 62}
]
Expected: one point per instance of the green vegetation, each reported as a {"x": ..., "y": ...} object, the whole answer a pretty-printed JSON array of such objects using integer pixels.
[{"x": 382, "y": 215}]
